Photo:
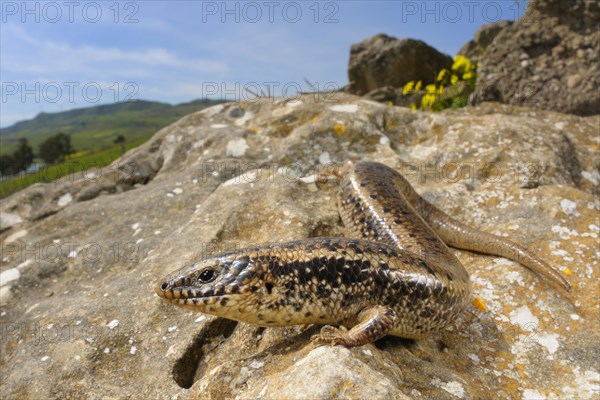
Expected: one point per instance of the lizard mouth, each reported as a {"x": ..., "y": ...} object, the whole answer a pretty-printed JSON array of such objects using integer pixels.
[
  {"x": 179, "y": 291},
  {"x": 175, "y": 290},
  {"x": 185, "y": 296},
  {"x": 193, "y": 297},
  {"x": 192, "y": 302},
  {"x": 178, "y": 288}
]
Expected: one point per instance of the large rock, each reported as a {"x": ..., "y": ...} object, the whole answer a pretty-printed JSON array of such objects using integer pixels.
[
  {"x": 386, "y": 61},
  {"x": 484, "y": 36},
  {"x": 549, "y": 59},
  {"x": 80, "y": 257}
]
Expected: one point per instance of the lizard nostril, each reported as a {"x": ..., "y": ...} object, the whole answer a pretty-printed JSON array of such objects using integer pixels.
[{"x": 164, "y": 286}]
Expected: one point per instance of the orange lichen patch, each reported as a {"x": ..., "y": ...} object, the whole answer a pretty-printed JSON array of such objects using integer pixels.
[
  {"x": 521, "y": 371},
  {"x": 479, "y": 303},
  {"x": 339, "y": 128},
  {"x": 511, "y": 385},
  {"x": 254, "y": 129}
]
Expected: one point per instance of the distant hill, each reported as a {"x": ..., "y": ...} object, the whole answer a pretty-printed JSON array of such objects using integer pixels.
[{"x": 96, "y": 127}]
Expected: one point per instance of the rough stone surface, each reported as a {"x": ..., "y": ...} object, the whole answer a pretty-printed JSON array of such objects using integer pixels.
[
  {"x": 484, "y": 36},
  {"x": 80, "y": 318},
  {"x": 549, "y": 59},
  {"x": 386, "y": 61}
]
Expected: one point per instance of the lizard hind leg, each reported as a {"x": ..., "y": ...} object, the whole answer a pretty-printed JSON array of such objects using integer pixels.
[{"x": 374, "y": 323}]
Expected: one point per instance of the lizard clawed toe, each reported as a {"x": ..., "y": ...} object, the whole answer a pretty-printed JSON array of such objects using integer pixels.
[{"x": 333, "y": 336}]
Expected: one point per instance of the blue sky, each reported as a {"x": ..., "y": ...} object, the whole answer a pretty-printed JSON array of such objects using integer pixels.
[{"x": 56, "y": 56}]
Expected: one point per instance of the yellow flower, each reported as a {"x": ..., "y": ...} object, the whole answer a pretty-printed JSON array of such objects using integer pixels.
[
  {"x": 441, "y": 75},
  {"x": 427, "y": 100},
  {"x": 408, "y": 88},
  {"x": 389, "y": 103},
  {"x": 461, "y": 63},
  {"x": 339, "y": 128},
  {"x": 418, "y": 86},
  {"x": 437, "y": 96}
]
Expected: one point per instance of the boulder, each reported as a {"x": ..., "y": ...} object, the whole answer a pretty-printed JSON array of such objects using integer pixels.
[
  {"x": 386, "y": 61},
  {"x": 549, "y": 59},
  {"x": 475, "y": 49},
  {"x": 81, "y": 255}
]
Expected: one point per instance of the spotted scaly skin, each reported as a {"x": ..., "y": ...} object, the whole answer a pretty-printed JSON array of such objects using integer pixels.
[{"x": 398, "y": 279}]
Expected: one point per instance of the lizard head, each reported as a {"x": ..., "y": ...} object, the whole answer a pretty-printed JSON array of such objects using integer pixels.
[{"x": 221, "y": 285}]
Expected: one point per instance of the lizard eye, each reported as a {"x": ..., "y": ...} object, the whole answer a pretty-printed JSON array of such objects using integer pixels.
[{"x": 207, "y": 275}]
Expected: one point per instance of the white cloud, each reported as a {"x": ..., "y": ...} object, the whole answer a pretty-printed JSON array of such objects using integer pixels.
[{"x": 36, "y": 56}]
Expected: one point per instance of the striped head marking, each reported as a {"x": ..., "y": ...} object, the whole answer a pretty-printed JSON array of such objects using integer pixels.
[{"x": 210, "y": 285}]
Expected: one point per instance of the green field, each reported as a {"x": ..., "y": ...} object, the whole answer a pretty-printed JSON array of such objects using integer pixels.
[
  {"x": 87, "y": 162},
  {"x": 96, "y": 127},
  {"x": 92, "y": 131}
]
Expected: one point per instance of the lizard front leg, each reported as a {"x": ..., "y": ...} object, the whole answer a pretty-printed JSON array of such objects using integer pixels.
[{"x": 374, "y": 323}]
